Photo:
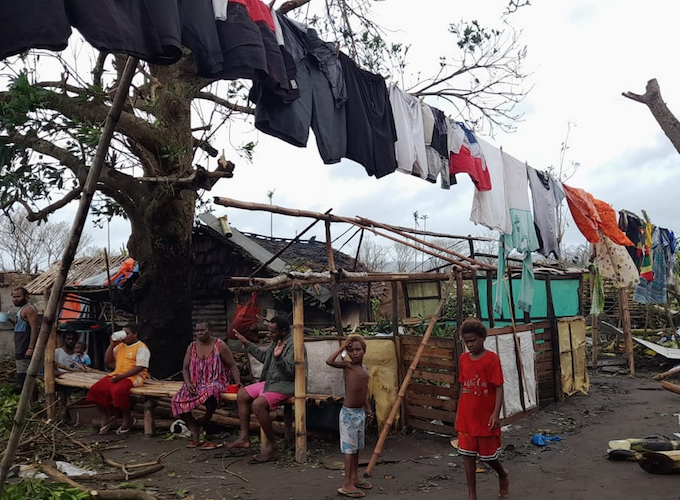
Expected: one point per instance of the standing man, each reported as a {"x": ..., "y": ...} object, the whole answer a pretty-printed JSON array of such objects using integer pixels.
[
  {"x": 112, "y": 392},
  {"x": 277, "y": 383},
  {"x": 26, "y": 329}
]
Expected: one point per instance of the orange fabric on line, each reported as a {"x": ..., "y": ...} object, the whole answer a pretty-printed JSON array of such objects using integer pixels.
[
  {"x": 591, "y": 214},
  {"x": 610, "y": 224}
]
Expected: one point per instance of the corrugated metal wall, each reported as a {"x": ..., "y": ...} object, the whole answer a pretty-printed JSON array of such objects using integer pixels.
[{"x": 213, "y": 310}]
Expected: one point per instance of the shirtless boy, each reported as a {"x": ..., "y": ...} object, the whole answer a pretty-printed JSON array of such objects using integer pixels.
[{"x": 355, "y": 412}]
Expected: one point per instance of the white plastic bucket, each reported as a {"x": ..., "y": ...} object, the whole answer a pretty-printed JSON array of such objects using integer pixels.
[{"x": 4, "y": 317}]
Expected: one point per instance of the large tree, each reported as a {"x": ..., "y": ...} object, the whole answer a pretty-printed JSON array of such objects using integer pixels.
[{"x": 49, "y": 127}]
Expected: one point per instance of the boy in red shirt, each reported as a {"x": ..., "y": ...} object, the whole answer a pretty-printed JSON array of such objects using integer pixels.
[{"x": 479, "y": 406}]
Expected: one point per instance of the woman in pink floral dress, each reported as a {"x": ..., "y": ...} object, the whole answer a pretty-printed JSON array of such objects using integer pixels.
[{"x": 207, "y": 364}]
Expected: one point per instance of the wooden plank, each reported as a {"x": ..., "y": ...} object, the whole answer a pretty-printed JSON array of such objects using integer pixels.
[
  {"x": 432, "y": 342},
  {"x": 427, "y": 426},
  {"x": 424, "y": 401},
  {"x": 432, "y": 414},
  {"x": 430, "y": 352},
  {"x": 446, "y": 364},
  {"x": 437, "y": 377},
  {"x": 434, "y": 390}
]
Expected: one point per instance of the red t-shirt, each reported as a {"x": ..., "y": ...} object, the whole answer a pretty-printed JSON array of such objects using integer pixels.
[{"x": 478, "y": 381}]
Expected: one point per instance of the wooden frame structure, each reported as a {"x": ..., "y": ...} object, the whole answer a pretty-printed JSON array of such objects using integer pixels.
[{"x": 462, "y": 268}]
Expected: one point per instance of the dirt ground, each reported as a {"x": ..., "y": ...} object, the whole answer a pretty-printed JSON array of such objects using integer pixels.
[{"x": 419, "y": 465}]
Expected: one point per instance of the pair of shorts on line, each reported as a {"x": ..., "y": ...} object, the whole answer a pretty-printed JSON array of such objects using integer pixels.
[
  {"x": 352, "y": 430},
  {"x": 486, "y": 448},
  {"x": 274, "y": 399}
]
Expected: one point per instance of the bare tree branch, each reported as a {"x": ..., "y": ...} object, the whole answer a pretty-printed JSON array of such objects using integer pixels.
[
  {"x": 291, "y": 5},
  {"x": 43, "y": 213},
  {"x": 664, "y": 117},
  {"x": 207, "y": 96}
]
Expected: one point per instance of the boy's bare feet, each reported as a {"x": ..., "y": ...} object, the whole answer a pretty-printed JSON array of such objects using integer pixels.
[
  {"x": 504, "y": 484},
  {"x": 239, "y": 443},
  {"x": 266, "y": 454}
]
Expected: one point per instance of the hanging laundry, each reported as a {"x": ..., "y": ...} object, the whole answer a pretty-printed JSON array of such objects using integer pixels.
[
  {"x": 147, "y": 29},
  {"x": 489, "y": 208},
  {"x": 408, "y": 121},
  {"x": 654, "y": 291},
  {"x": 668, "y": 242},
  {"x": 597, "y": 294},
  {"x": 614, "y": 262},
  {"x": 647, "y": 264},
  {"x": 547, "y": 195},
  {"x": 32, "y": 24},
  {"x": 454, "y": 138},
  {"x": 523, "y": 235},
  {"x": 470, "y": 160},
  {"x": 371, "y": 132},
  {"x": 318, "y": 106},
  {"x": 591, "y": 214},
  {"x": 437, "y": 165},
  {"x": 440, "y": 134},
  {"x": 631, "y": 224},
  {"x": 220, "y": 9}
]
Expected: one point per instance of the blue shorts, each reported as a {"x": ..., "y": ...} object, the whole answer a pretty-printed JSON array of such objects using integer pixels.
[{"x": 352, "y": 425}]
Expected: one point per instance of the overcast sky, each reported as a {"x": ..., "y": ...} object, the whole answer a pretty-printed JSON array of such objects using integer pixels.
[{"x": 581, "y": 56}]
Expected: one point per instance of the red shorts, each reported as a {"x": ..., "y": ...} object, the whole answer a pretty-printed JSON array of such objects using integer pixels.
[
  {"x": 487, "y": 448},
  {"x": 106, "y": 394}
]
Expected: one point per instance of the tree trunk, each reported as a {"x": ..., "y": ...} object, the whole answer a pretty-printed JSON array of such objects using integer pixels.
[
  {"x": 665, "y": 118},
  {"x": 162, "y": 222},
  {"x": 161, "y": 244}
]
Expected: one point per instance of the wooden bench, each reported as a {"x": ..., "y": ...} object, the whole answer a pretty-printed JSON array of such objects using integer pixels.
[{"x": 154, "y": 389}]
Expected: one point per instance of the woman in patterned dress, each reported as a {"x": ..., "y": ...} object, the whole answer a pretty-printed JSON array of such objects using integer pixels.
[{"x": 207, "y": 364}]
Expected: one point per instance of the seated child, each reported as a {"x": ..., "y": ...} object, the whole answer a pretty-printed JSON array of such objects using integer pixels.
[{"x": 82, "y": 358}]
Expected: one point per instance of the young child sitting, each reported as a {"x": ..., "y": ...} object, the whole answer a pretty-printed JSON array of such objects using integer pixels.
[
  {"x": 479, "y": 406},
  {"x": 82, "y": 358},
  {"x": 355, "y": 412}
]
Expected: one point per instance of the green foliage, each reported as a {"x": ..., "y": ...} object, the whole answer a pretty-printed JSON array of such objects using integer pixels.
[
  {"x": 442, "y": 329},
  {"x": 37, "y": 489},
  {"x": 24, "y": 99},
  {"x": 8, "y": 408},
  {"x": 472, "y": 36}
]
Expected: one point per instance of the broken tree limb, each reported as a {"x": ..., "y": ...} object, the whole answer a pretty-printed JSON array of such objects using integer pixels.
[
  {"x": 670, "y": 387},
  {"x": 65, "y": 264},
  {"x": 407, "y": 380},
  {"x": 666, "y": 374},
  {"x": 126, "y": 494}
]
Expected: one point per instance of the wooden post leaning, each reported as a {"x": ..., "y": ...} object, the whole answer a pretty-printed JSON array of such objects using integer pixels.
[
  {"x": 627, "y": 332},
  {"x": 405, "y": 383},
  {"x": 50, "y": 385},
  {"x": 66, "y": 261}
]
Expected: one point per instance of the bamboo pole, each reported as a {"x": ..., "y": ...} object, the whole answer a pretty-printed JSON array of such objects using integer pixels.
[
  {"x": 300, "y": 378},
  {"x": 407, "y": 380},
  {"x": 293, "y": 212},
  {"x": 356, "y": 256},
  {"x": 50, "y": 386},
  {"x": 627, "y": 333},
  {"x": 594, "y": 326},
  {"x": 360, "y": 222},
  {"x": 337, "y": 313},
  {"x": 65, "y": 264}
]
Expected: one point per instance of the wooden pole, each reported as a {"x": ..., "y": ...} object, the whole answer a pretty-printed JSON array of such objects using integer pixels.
[
  {"x": 407, "y": 380},
  {"x": 627, "y": 333},
  {"x": 356, "y": 256},
  {"x": 108, "y": 274},
  {"x": 293, "y": 212},
  {"x": 50, "y": 386},
  {"x": 361, "y": 222},
  {"x": 593, "y": 321},
  {"x": 337, "y": 312},
  {"x": 300, "y": 378},
  {"x": 398, "y": 345},
  {"x": 65, "y": 264}
]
